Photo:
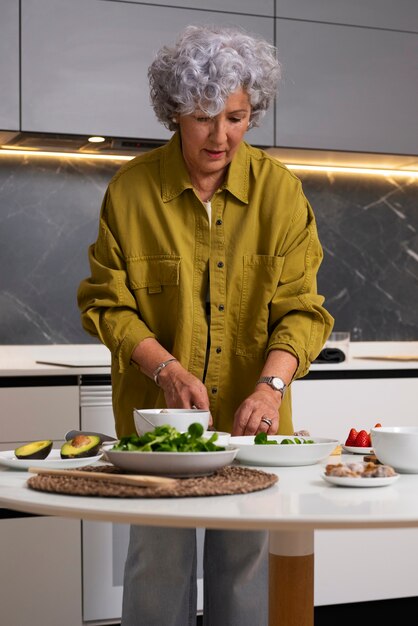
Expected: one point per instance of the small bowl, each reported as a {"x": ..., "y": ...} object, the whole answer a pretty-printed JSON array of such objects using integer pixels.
[
  {"x": 222, "y": 440},
  {"x": 397, "y": 446},
  {"x": 148, "y": 419}
]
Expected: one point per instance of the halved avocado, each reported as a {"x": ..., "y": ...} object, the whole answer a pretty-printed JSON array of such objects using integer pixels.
[
  {"x": 34, "y": 450},
  {"x": 81, "y": 446}
]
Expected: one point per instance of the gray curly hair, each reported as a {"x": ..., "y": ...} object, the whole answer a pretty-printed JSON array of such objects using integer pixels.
[{"x": 205, "y": 66}]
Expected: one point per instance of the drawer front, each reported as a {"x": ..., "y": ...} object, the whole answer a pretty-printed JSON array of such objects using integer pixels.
[{"x": 30, "y": 413}]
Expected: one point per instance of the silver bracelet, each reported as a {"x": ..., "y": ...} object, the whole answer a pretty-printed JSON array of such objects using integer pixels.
[{"x": 160, "y": 367}]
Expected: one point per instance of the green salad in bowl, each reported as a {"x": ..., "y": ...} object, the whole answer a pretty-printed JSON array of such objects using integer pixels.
[{"x": 169, "y": 439}]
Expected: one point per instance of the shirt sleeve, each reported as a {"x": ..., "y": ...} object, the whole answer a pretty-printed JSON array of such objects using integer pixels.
[
  {"x": 299, "y": 324},
  {"x": 108, "y": 307}
]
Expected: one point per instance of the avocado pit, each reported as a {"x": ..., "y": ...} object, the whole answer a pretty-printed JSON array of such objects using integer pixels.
[{"x": 80, "y": 446}]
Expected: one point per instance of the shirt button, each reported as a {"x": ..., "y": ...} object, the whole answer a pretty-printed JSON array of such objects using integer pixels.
[
  {"x": 214, "y": 390},
  {"x": 220, "y": 264},
  {"x": 218, "y": 222},
  {"x": 221, "y": 307},
  {"x": 218, "y": 350}
]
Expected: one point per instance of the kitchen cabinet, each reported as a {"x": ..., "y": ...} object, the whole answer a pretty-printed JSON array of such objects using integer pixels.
[
  {"x": 347, "y": 88},
  {"x": 9, "y": 66},
  {"x": 40, "y": 566},
  {"x": 40, "y": 572},
  {"x": 328, "y": 407},
  {"x": 84, "y": 65},
  {"x": 261, "y": 7},
  {"x": 34, "y": 408},
  {"x": 400, "y": 15}
]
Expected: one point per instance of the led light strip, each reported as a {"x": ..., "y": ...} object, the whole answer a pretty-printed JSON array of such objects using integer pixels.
[
  {"x": 66, "y": 155},
  {"x": 337, "y": 169},
  {"x": 341, "y": 169}
]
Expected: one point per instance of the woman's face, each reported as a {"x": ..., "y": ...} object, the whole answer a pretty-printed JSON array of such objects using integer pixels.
[{"x": 209, "y": 143}]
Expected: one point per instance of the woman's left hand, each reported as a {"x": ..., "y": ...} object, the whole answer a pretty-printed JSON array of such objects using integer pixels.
[{"x": 258, "y": 413}]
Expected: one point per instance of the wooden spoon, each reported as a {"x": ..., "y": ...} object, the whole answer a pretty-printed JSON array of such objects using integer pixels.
[{"x": 120, "y": 479}]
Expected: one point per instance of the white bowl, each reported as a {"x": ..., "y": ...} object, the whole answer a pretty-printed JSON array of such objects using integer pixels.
[
  {"x": 148, "y": 419},
  {"x": 397, "y": 446},
  {"x": 170, "y": 463},
  {"x": 282, "y": 455},
  {"x": 222, "y": 440}
]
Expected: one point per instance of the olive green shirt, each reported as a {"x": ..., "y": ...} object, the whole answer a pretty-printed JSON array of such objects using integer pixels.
[{"x": 150, "y": 269}]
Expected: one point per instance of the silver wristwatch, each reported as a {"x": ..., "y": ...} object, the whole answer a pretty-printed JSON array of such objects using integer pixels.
[{"x": 275, "y": 383}]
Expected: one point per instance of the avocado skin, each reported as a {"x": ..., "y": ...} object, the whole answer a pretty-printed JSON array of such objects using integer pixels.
[
  {"x": 34, "y": 450},
  {"x": 90, "y": 448}
]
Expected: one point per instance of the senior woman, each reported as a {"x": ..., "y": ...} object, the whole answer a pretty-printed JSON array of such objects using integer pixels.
[{"x": 203, "y": 286}]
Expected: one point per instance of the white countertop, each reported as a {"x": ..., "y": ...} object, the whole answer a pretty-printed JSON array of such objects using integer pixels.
[
  {"x": 18, "y": 360},
  {"x": 301, "y": 500}
]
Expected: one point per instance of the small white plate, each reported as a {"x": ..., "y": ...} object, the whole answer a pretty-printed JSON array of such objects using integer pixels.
[
  {"x": 360, "y": 482},
  {"x": 358, "y": 450},
  {"x": 52, "y": 461},
  {"x": 179, "y": 464}
]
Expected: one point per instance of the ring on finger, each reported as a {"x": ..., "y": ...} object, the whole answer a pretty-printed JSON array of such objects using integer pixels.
[{"x": 267, "y": 421}]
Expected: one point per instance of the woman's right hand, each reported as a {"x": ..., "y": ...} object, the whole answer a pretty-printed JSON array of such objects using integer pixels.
[{"x": 182, "y": 389}]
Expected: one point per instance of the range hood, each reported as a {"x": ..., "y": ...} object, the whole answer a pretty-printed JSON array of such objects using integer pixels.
[{"x": 51, "y": 142}]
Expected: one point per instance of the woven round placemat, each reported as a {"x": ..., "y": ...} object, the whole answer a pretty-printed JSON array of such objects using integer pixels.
[{"x": 227, "y": 481}]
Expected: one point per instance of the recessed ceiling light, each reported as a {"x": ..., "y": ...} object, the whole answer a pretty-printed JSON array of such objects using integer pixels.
[{"x": 96, "y": 139}]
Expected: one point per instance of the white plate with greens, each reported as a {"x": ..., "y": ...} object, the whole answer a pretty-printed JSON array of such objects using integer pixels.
[
  {"x": 278, "y": 454},
  {"x": 179, "y": 464}
]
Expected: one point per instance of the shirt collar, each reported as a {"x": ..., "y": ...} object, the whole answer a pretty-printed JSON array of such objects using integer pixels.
[
  {"x": 237, "y": 178},
  {"x": 175, "y": 177}
]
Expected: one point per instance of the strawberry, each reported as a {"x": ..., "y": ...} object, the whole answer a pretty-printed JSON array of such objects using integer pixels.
[
  {"x": 363, "y": 439},
  {"x": 351, "y": 437}
]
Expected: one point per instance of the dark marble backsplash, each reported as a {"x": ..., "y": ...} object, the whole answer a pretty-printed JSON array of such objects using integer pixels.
[{"x": 49, "y": 209}]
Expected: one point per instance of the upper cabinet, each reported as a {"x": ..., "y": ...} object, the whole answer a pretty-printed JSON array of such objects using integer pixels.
[
  {"x": 84, "y": 64},
  {"x": 347, "y": 87},
  {"x": 251, "y": 7},
  {"x": 9, "y": 65},
  {"x": 350, "y": 77},
  {"x": 399, "y": 15}
]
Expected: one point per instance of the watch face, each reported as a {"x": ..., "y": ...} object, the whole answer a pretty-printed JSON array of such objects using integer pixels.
[{"x": 277, "y": 383}]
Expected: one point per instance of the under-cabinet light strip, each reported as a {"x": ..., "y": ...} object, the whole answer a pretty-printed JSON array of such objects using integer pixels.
[
  {"x": 341, "y": 169},
  {"x": 337, "y": 169},
  {"x": 65, "y": 155}
]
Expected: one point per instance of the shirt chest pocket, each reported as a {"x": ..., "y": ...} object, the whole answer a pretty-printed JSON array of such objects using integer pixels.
[
  {"x": 155, "y": 281},
  {"x": 260, "y": 278},
  {"x": 153, "y": 273}
]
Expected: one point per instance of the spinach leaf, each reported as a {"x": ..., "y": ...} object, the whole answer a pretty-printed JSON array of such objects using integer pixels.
[{"x": 262, "y": 440}]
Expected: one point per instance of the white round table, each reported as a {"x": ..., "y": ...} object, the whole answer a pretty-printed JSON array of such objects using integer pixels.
[{"x": 300, "y": 503}]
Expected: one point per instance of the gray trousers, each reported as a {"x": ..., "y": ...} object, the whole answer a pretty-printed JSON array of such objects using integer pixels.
[{"x": 160, "y": 578}]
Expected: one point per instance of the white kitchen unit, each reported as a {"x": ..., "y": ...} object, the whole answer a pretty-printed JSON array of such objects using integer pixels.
[
  {"x": 34, "y": 408},
  {"x": 328, "y": 403},
  {"x": 329, "y": 407},
  {"x": 85, "y": 62},
  {"x": 40, "y": 572},
  {"x": 335, "y": 91},
  {"x": 9, "y": 65},
  {"x": 40, "y": 561}
]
